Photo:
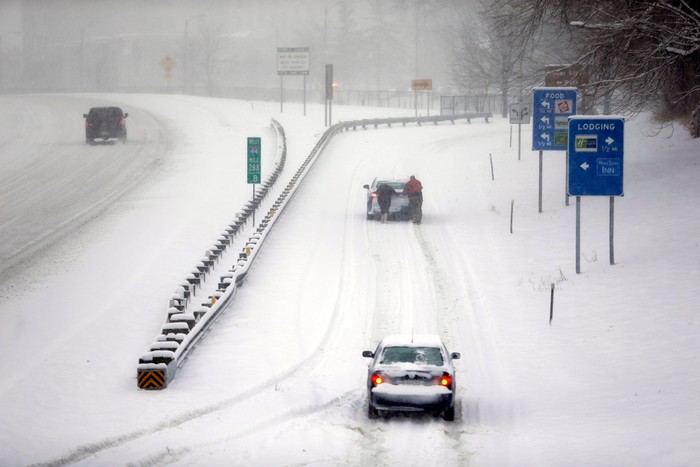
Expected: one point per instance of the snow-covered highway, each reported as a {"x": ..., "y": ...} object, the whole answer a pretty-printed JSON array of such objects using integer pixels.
[{"x": 279, "y": 379}]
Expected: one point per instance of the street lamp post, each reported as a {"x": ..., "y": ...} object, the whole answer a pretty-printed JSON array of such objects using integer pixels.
[{"x": 186, "y": 64}]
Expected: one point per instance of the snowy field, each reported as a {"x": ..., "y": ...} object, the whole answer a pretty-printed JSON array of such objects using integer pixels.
[{"x": 280, "y": 380}]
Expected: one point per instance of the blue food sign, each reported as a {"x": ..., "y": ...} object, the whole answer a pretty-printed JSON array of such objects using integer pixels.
[
  {"x": 596, "y": 156},
  {"x": 552, "y": 108}
]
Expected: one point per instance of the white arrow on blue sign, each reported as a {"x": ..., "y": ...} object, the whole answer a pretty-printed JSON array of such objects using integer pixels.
[{"x": 596, "y": 155}]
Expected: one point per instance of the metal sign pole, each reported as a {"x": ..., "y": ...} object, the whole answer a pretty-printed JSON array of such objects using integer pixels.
[
  {"x": 329, "y": 94},
  {"x": 566, "y": 178},
  {"x": 540, "y": 190},
  {"x": 578, "y": 235},
  {"x": 519, "y": 127},
  {"x": 612, "y": 230}
]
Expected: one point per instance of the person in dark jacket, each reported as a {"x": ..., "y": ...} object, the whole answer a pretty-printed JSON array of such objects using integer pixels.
[
  {"x": 384, "y": 194},
  {"x": 414, "y": 188}
]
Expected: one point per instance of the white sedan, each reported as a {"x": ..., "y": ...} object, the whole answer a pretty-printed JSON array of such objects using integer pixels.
[{"x": 411, "y": 373}]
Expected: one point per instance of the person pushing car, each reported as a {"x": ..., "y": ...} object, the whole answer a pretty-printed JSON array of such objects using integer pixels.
[
  {"x": 384, "y": 194},
  {"x": 414, "y": 189}
]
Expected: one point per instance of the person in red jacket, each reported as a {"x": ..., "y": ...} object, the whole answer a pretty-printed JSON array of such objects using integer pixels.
[{"x": 414, "y": 188}]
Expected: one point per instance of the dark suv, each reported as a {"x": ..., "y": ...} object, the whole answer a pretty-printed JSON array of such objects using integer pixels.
[{"x": 105, "y": 123}]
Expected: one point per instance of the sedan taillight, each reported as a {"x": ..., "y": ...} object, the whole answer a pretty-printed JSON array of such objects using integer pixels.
[
  {"x": 377, "y": 379},
  {"x": 445, "y": 380}
]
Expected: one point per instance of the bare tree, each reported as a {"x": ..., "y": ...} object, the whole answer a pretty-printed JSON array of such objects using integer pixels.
[
  {"x": 494, "y": 54},
  {"x": 645, "y": 51},
  {"x": 206, "y": 61}
]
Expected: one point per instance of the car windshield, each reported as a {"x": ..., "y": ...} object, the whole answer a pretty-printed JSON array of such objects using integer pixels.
[{"x": 419, "y": 355}]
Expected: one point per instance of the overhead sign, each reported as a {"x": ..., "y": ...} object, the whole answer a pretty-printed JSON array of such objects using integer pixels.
[
  {"x": 596, "y": 156},
  {"x": 422, "y": 84},
  {"x": 293, "y": 61},
  {"x": 552, "y": 108},
  {"x": 520, "y": 113},
  {"x": 254, "y": 149}
]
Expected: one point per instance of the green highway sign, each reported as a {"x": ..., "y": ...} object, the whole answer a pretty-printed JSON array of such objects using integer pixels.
[{"x": 254, "y": 149}]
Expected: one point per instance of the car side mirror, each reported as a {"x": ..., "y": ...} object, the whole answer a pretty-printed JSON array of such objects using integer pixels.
[
  {"x": 456, "y": 355},
  {"x": 368, "y": 354},
  {"x": 126, "y": 114},
  {"x": 84, "y": 115},
  {"x": 366, "y": 187}
]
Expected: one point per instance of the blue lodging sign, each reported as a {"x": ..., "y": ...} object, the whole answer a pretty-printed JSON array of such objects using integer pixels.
[
  {"x": 552, "y": 108},
  {"x": 596, "y": 155}
]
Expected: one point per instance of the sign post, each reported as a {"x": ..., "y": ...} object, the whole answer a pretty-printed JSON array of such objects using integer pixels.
[
  {"x": 551, "y": 108},
  {"x": 168, "y": 65},
  {"x": 596, "y": 163},
  {"x": 422, "y": 85},
  {"x": 292, "y": 61},
  {"x": 329, "y": 95},
  {"x": 254, "y": 150},
  {"x": 520, "y": 113}
]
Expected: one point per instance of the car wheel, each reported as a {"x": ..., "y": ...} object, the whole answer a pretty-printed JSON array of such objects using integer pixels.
[
  {"x": 449, "y": 414},
  {"x": 372, "y": 412}
]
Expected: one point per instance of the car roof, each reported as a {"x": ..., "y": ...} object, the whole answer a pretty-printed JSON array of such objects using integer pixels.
[
  {"x": 390, "y": 180},
  {"x": 407, "y": 340},
  {"x": 104, "y": 109}
]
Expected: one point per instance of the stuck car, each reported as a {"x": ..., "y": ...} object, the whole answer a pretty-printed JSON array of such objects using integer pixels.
[
  {"x": 409, "y": 374},
  {"x": 105, "y": 123},
  {"x": 399, "y": 209}
]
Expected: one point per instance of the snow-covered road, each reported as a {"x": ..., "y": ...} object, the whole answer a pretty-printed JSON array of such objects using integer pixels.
[
  {"x": 279, "y": 379},
  {"x": 51, "y": 182}
]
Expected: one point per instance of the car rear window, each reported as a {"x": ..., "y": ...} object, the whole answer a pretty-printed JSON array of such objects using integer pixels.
[
  {"x": 394, "y": 185},
  {"x": 108, "y": 112},
  {"x": 418, "y": 355}
]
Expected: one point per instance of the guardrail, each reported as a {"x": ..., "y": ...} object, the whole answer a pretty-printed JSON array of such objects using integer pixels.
[
  {"x": 419, "y": 120},
  {"x": 185, "y": 322}
]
